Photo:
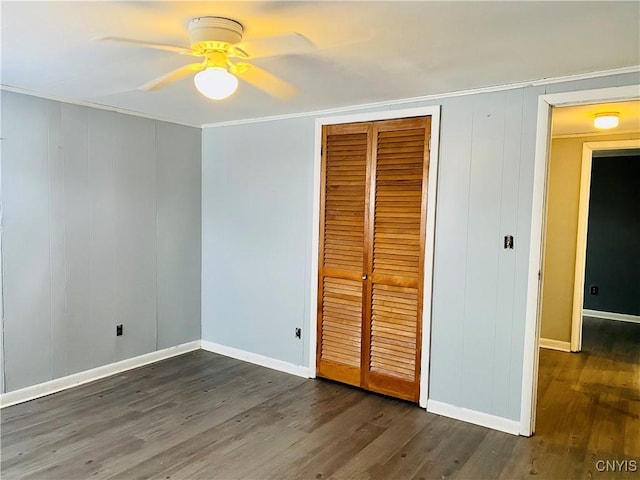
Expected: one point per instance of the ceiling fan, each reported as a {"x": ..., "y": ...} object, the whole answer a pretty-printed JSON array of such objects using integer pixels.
[{"x": 217, "y": 40}]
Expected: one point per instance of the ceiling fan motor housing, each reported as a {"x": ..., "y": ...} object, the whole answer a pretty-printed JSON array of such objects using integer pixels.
[{"x": 214, "y": 33}]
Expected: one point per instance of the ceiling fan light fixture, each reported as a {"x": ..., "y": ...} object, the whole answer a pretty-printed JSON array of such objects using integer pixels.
[
  {"x": 606, "y": 120},
  {"x": 215, "y": 83}
]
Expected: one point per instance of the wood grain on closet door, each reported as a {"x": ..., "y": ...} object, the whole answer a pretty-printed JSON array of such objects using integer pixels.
[
  {"x": 392, "y": 334},
  {"x": 346, "y": 153}
]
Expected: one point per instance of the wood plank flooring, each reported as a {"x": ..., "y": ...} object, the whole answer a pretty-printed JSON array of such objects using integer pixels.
[
  {"x": 206, "y": 416},
  {"x": 589, "y": 403}
]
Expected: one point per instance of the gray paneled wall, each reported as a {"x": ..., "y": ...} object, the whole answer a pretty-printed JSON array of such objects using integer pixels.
[
  {"x": 178, "y": 157},
  {"x": 101, "y": 226},
  {"x": 256, "y": 225},
  {"x": 257, "y": 211},
  {"x": 475, "y": 340}
]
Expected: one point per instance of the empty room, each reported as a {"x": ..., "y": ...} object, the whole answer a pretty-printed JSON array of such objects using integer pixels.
[{"x": 319, "y": 239}]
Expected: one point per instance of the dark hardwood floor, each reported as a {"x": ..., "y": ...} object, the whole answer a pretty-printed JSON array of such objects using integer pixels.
[
  {"x": 202, "y": 415},
  {"x": 589, "y": 403}
]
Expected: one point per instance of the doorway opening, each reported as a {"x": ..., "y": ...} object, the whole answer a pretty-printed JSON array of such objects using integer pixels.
[
  {"x": 566, "y": 260},
  {"x": 607, "y": 257},
  {"x": 592, "y": 219},
  {"x": 569, "y": 208}
]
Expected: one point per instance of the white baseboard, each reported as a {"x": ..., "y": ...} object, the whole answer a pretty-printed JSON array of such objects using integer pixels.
[
  {"x": 621, "y": 317},
  {"x": 473, "y": 416},
  {"x": 256, "y": 359},
  {"x": 552, "y": 344},
  {"x": 70, "y": 381}
]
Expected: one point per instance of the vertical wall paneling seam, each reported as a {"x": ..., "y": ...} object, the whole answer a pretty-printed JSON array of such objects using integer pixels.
[
  {"x": 516, "y": 229},
  {"x": 466, "y": 261},
  {"x": 2, "y": 369},
  {"x": 202, "y": 228},
  {"x": 3, "y": 380},
  {"x": 51, "y": 350},
  {"x": 155, "y": 161},
  {"x": 115, "y": 224},
  {"x": 2, "y": 346},
  {"x": 309, "y": 231},
  {"x": 501, "y": 254},
  {"x": 91, "y": 197},
  {"x": 62, "y": 151},
  {"x": 307, "y": 272}
]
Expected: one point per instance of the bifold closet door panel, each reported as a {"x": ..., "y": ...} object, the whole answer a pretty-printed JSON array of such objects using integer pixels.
[
  {"x": 393, "y": 321},
  {"x": 346, "y": 153}
]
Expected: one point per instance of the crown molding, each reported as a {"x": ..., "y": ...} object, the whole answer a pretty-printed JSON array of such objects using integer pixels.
[
  {"x": 426, "y": 98},
  {"x": 99, "y": 106},
  {"x": 337, "y": 110},
  {"x": 586, "y": 76}
]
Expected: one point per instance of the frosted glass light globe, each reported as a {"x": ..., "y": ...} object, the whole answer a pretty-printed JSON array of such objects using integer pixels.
[
  {"x": 215, "y": 83},
  {"x": 606, "y": 120}
]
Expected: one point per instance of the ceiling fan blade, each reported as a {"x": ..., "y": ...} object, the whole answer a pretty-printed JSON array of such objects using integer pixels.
[
  {"x": 157, "y": 46},
  {"x": 287, "y": 44},
  {"x": 171, "y": 77},
  {"x": 263, "y": 80}
]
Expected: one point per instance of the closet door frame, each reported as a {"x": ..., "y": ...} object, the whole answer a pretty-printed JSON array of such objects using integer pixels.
[{"x": 434, "y": 113}]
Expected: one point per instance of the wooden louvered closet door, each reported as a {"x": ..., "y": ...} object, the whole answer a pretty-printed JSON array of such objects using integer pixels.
[
  {"x": 373, "y": 216},
  {"x": 346, "y": 155},
  {"x": 393, "y": 319}
]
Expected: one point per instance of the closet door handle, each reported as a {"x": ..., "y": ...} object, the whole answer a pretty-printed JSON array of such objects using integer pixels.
[{"x": 365, "y": 276}]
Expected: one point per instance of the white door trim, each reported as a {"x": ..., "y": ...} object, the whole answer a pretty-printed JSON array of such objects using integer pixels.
[
  {"x": 532, "y": 317},
  {"x": 434, "y": 113},
  {"x": 581, "y": 240}
]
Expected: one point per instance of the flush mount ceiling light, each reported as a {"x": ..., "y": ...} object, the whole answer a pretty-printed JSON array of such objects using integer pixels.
[
  {"x": 606, "y": 120},
  {"x": 218, "y": 42}
]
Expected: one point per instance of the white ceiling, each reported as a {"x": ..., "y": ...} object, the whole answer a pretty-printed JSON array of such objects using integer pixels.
[{"x": 367, "y": 51}]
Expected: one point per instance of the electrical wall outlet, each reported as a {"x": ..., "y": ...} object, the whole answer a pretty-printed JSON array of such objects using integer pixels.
[
  {"x": 119, "y": 329},
  {"x": 298, "y": 333},
  {"x": 594, "y": 289}
]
